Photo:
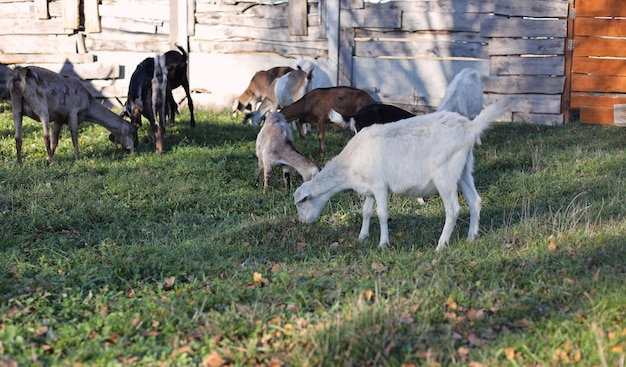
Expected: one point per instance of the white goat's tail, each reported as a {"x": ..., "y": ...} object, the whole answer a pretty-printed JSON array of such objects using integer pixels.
[
  {"x": 486, "y": 117},
  {"x": 337, "y": 118}
]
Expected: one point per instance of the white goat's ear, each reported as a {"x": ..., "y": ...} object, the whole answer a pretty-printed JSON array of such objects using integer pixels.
[{"x": 301, "y": 195}]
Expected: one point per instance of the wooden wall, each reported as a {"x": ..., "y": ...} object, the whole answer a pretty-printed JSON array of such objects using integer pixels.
[{"x": 403, "y": 52}]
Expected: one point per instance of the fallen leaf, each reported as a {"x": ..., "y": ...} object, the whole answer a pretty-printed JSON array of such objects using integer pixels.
[
  {"x": 509, "y": 353},
  {"x": 475, "y": 341},
  {"x": 369, "y": 295},
  {"x": 275, "y": 268},
  {"x": 169, "y": 283},
  {"x": 213, "y": 360},
  {"x": 451, "y": 304},
  {"x": 379, "y": 267},
  {"x": 474, "y": 314},
  {"x": 256, "y": 277},
  {"x": 463, "y": 353}
]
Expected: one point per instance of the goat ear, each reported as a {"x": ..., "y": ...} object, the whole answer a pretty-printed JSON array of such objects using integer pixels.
[{"x": 301, "y": 195}]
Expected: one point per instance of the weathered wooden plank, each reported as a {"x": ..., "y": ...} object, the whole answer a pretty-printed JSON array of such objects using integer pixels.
[
  {"x": 441, "y": 6},
  {"x": 346, "y": 47},
  {"x": 619, "y": 115},
  {"x": 399, "y": 35},
  {"x": 519, "y": 46},
  {"x": 604, "y": 84},
  {"x": 41, "y": 9},
  {"x": 453, "y": 22},
  {"x": 88, "y": 71},
  {"x": 538, "y": 118},
  {"x": 579, "y": 99},
  {"x": 297, "y": 11},
  {"x": 515, "y": 65},
  {"x": 115, "y": 41},
  {"x": 136, "y": 10},
  {"x": 600, "y": 27},
  {"x": 532, "y": 8},
  {"x": 29, "y": 44},
  {"x": 130, "y": 25},
  {"x": 244, "y": 20},
  {"x": 71, "y": 14},
  {"x": 596, "y": 115},
  {"x": 599, "y": 66},
  {"x": 16, "y": 10},
  {"x": 49, "y": 58},
  {"x": 92, "y": 16},
  {"x": 523, "y": 84},
  {"x": 312, "y": 49},
  {"x": 495, "y": 26},
  {"x": 224, "y": 32},
  {"x": 596, "y": 46},
  {"x": 420, "y": 49},
  {"x": 528, "y": 103},
  {"x": 601, "y": 8},
  {"x": 371, "y": 17},
  {"x": 32, "y": 26}
]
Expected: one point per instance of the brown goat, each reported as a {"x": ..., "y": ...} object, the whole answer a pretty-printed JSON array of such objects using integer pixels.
[
  {"x": 47, "y": 97},
  {"x": 315, "y": 106},
  {"x": 259, "y": 87},
  {"x": 283, "y": 92}
]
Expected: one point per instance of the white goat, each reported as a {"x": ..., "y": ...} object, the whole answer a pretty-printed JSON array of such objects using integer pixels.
[
  {"x": 415, "y": 157},
  {"x": 464, "y": 94},
  {"x": 274, "y": 145}
]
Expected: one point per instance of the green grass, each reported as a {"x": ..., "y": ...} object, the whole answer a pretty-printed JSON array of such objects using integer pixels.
[{"x": 177, "y": 259}]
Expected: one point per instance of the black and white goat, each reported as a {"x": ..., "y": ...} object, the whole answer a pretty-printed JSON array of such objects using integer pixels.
[
  {"x": 415, "y": 157},
  {"x": 139, "y": 99},
  {"x": 375, "y": 113}
]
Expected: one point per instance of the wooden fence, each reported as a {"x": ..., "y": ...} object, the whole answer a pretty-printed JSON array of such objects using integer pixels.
[
  {"x": 403, "y": 52},
  {"x": 598, "y": 61}
]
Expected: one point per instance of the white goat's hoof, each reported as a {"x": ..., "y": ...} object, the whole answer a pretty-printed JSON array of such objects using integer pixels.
[
  {"x": 363, "y": 237},
  {"x": 441, "y": 246}
]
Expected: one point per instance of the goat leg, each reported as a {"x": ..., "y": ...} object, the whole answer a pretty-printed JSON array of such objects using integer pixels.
[{"x": 287, "y": 177}]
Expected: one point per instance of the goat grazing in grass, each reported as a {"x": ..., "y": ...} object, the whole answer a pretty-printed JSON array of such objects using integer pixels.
[
  {"x": 274, "y": 145},
  {"x": 283, "y": 92},
  {"x": 259, "y": 87},
  {"x": 159, "y": 101},
  {"x": 375, "y": 113},
  {"x": 464, "y": 94},
  {"x": 139, "y": 101},
  {"x": 415, "y": 157},
  {"x": 315, "y": 107},
  {"x": 47, "y": 97}
]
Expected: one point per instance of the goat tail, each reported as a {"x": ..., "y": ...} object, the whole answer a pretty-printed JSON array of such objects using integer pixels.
[
  {"x": 485, "y": 118},
  {"x": 182, "y": 50},
  {"x": 338, "y": 119}
]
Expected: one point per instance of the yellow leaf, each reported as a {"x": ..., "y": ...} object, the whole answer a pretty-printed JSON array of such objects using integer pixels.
[
  {"x": 617, "y": 349},
  {"x": 509, "y": 353},
  {"x": 256, "y": 277},
  {"x": 369, "y": 295},
  {"x": 213, "y": 360},
  {"x": 451, "y": 304}
]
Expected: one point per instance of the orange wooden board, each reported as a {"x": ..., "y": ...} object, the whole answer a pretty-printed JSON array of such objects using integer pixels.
[
  {"x": 595, "y": 66},
  {"x": 600, "y": 27},
  {"x": 600, "y": 8},
  {"x": 594, "y": 46},
  {"x": 596, "y": 115},
  {"x": 604, "y": 84},
  {"x": 578, "y": 100}
]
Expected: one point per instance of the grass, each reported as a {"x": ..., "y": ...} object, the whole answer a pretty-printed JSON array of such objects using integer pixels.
[{"x": 177, "y": 259}]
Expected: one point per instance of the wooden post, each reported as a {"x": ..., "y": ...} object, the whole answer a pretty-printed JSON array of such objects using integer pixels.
[
  {"x": 178, "y": 23},
  {"x": 92, "y": 16},
  {"x": 569, "y": 54},
  {"x": 332, "y": 32},
  {"x": 41, "y": 9},
  {"x": 297, "y": 15},
  {"x": 71, "y": 16},
  {"x": 346, "y": 50}
]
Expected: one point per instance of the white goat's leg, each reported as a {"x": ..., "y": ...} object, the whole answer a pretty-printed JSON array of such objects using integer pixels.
[
  {"x": 474, "y": 202},
  {"x": 450, "y": 200},
  {"x": 368, "y": 210},
  {"x": 383, "y": 216}
]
